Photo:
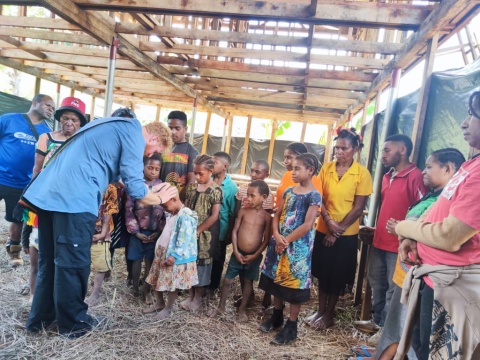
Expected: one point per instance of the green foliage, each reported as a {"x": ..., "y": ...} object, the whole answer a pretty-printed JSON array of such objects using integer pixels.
[
  {"x": 322, "y": 139},
  {"x": 284, "y": 125}
]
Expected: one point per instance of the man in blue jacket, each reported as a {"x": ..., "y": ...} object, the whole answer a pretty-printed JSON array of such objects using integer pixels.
[{"x": 68, "y": 193}]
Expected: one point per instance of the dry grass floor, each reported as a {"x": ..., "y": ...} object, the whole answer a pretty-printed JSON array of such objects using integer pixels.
[{"x": 131, "y": 335}]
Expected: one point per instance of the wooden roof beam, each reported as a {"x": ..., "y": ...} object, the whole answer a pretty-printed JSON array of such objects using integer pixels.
[
  {"x": 37, "y": 22},
  {"x": 262, "y": 39},
  {"x": 195, "y": 64},
  {"x": 50, "y": 77},
  {"x": 437, "y": 21},
  {"x": 49, "y": 35},
  {"x": 339, "y": 13},
  {"x": 103, "y": 29},
  {"x": 279, "y": 106}
]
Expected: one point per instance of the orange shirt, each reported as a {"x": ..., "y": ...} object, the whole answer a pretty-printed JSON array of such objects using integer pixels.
[{"x": 287, "y": 182}]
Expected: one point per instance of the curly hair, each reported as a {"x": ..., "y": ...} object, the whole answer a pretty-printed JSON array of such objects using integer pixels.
[
  {"x": 262, "y": 187},
  {"x": 404, "y": 139},
  {"x": 163, "y": 132},
  {"x": 205, "y": 160},
  {"x": 153, "y": 157},
  {"x": 125, "y": 113},
  {"x": 352, "y": 135},
  {"x": 309, "y": 160}
]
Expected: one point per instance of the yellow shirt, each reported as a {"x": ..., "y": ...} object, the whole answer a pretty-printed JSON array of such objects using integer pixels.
[
  {"x": 339, "y": 195},
  {"x": 287, "y": 182}
]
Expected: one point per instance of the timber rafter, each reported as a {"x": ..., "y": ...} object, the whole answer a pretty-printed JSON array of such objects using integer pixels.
[{"x": 310, "y": 60}]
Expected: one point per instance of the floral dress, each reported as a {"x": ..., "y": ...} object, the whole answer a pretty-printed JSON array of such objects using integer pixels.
[
  {"x": 292, "y": 268},
  {"x": 169, "y": 278}
]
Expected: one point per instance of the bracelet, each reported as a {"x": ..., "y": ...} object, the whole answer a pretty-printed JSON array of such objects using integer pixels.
[{"x": 161, "y": 201}]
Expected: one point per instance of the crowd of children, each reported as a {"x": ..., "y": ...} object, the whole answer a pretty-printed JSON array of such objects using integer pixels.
[{"x": 183, "y": 241}]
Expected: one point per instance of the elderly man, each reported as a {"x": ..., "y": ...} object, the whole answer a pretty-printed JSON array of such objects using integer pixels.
[
  {"x": 18, "y": 135},
  {"x": 67, "y": 194}
]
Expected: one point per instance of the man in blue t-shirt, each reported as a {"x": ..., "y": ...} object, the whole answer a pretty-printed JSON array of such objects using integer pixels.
[{"x": 18, "y": 135}]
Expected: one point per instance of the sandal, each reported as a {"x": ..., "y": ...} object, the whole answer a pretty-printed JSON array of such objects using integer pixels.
[
  {"x": 25, "y": 290},
  {"x": 363, "y": 351}
]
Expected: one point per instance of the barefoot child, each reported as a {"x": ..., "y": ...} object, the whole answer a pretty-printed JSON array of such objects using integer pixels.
[
  {"x": 145, "y": 224},
  {"x": 100, "y": 250},
  {"x": 260, "y": 170},
  {"x": 204, "y": 197},
  {"x": 174, "y": 267},
  {"x": 227, "y": 215},
  {"x": 286, "y": 271},
  {"x": 250, "y": 237}
]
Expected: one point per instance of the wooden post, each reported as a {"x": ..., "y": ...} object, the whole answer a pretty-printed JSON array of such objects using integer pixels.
[
  {"x": 157, "y": 115},
  {"x": 205, "y": 135},
  {"x": 229, "y": 135},
  {"x": 375, "y": 112},
  {"x": 38, "y": 82},
  {"x": 272, "y": 142},
  {"x": 471, "y": 42},
  {"x": 365, "y": 110},
  {"x": 364, "y": 120},
  {"x": 72, "y": 92},
  {"x": 194, "y": 117},
  {"x": 304, "y": 130},
  {"x": 328, "y": 148},
  {"x": 224, "y": 137},
  {"x": 378, "y": 175},
  {"x": 92, "y": 108},
  {"x": 245, "y": 145},
  {"x": 419, "y": 121}
]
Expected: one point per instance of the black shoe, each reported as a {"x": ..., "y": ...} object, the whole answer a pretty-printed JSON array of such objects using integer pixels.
[
  {"x": 275, "y": 321},
  {"x": 287, "y": 335},
  {"x": 92, "y": 323}
]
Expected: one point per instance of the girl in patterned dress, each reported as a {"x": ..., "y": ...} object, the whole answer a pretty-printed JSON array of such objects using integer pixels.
[
  {"x": 286, "y": 272},
  {"x": 204, "y": 197},
  {"x": 174, "y": 267}
]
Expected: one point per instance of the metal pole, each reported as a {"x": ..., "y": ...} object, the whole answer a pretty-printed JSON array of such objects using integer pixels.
[
  {"x": 194, "y": 115},
  {"x": 377, "y": 180},
  {"x": 107, "y": 110},
  {"x": 56, "y": 124}
]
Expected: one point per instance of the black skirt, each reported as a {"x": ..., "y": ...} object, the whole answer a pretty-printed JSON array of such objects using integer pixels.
[
  {"x": 292, "y": 296},
  {"x": 335, "y": 266}
]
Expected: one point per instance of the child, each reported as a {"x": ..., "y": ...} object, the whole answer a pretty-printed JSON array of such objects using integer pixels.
[
  {"x": 286, "y": 270},
  {"x": 227, "y": 214},
  {"x": 250, "y": 237},
  {"x": 204, "y": 198},
  {"x": 100, "y": 250},
  {"x": 174, "y": 267},
  {"x": 260, "y": 170},
  {"x": 145, "y": 224}
]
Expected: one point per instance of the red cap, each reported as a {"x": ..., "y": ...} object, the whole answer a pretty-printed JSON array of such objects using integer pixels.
[{"x": 72, "y": 104}]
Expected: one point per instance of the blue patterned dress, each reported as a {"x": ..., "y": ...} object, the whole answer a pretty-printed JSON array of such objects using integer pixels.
[{"x": 292, "y": 268}]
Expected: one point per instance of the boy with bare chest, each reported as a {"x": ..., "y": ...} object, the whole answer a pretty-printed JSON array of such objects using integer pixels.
[{"x": 250, "y": 237}]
